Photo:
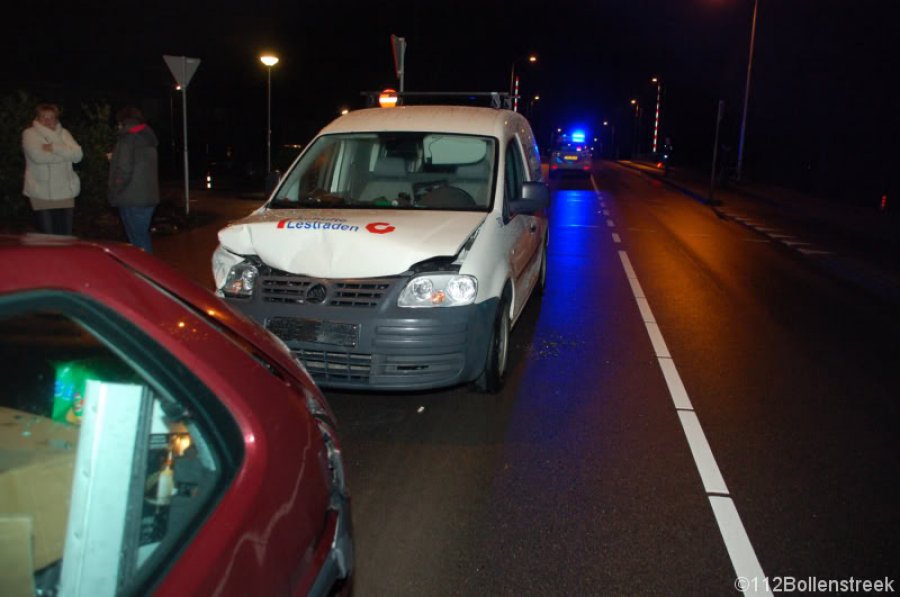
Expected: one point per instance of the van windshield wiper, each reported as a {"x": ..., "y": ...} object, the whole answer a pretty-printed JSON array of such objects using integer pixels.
[{"x": 314, "y": 199}]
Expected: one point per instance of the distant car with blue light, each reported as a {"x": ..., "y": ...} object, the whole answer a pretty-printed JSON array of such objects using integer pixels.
[{"x": 571, "y": 153}]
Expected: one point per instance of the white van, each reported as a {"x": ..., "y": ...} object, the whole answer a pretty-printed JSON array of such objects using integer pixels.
[{"x": 399, "y": 249}]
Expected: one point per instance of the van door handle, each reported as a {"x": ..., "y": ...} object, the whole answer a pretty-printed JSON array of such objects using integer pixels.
[{"x": 533, "y": 227}]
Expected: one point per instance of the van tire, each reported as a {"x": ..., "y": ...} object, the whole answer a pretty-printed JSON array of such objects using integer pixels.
[{"x": 491, "y": 379}]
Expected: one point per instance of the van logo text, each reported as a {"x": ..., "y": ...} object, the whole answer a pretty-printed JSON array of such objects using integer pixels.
[
  {"x": 315, "y": 225},
  {"x": 379, "y": 228}
]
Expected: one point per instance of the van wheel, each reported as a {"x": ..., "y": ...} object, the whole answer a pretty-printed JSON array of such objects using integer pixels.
[{"x": 492, "y": 378}]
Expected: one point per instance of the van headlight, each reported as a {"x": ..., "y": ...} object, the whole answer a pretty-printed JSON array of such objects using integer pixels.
[
  {"x": 240, "y": 281},
  {"x": 222, "y": 262},
  {"x": 439, "y": 290}
]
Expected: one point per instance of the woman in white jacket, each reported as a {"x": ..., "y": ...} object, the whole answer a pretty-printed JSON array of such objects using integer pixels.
[{"x": 51, "y": 183}]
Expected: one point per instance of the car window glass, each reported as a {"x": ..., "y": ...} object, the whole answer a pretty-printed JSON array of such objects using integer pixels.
[
  {"x": 393, "y": 170},
  {"x": 515, "y": 171},
  {"x": 101, "y": 471}
]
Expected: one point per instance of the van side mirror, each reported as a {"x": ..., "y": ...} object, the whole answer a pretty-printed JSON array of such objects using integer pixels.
[{"x": 535, "y": 196}]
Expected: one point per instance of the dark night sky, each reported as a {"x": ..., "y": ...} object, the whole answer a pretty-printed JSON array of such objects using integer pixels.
[{"x": 822, "y": 107}]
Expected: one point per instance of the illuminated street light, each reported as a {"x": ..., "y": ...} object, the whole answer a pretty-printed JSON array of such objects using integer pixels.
[
  {"x": 514, "y": 81},
  {"x": 612, "y": 141},
  {"x": 269, "y": 60},
  {"x": 535, "y": 98},
  {"x": 637, "y": 126}
]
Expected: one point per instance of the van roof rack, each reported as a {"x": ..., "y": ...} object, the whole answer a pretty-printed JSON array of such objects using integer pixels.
[{"x": 494, "y": 99}]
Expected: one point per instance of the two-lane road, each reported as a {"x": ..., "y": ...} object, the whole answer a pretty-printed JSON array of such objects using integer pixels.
[{"x": 687, "y": 403}]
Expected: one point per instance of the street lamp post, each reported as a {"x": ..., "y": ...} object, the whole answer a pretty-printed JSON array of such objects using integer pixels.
[
  {"x": 535, "y": 98},
  {"x": 269, "y": 60},
  {"x": 177, "y": 88},
  {"x": 512, "y": 80},
  {"x": 740, "y": 158},
  {"x": 612, "y": 142},
  {"x": 658, "y": 82},
  {"x": 637, "y": 126}
]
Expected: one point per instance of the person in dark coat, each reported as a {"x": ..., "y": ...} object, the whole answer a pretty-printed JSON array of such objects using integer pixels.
[{"x": 134, "y": 176}]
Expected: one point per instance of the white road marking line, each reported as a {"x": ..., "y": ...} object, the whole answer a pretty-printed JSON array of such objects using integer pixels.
[
  {"x": 594, "y": 184},
  {"x": 610, "y": 223},
  {"x": 740, "y": 550},
  {"x": 656, "y": 339},
  {"x": 605, "y": 212},
  {"x": 781, "y": 236},
  {"x": 794, "y": 243},
  {"x": 629, "y": 271},
  {"x": 814, "y": 252},
  {"x": 703, "y": 456},
  {"x": 676, "y": 387},
  {"x": 616, "y": 238},
  {"x": 737, "y": 543},
  {"x": 644, "y": 308},
  {"x": 636, "y": 289}
]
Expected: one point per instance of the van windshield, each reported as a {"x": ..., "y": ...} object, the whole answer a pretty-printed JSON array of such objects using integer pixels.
[{"x": 392, "y": 170}]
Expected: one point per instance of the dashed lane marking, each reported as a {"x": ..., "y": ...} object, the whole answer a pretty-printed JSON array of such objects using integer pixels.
[
  {"x": 737, "y": 543},
  {"x": 776, "y": 234}
]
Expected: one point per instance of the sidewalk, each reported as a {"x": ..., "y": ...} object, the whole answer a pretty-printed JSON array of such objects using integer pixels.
[{"x": 859, "y": 245}]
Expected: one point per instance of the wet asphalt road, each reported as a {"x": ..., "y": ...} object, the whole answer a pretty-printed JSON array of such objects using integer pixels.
[
  {"x": 579, "y": 478},
  {"x": 688, "y": 402}
]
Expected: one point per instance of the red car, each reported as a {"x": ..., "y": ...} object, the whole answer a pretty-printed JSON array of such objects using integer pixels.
[{"x": 152, "y": 440}]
